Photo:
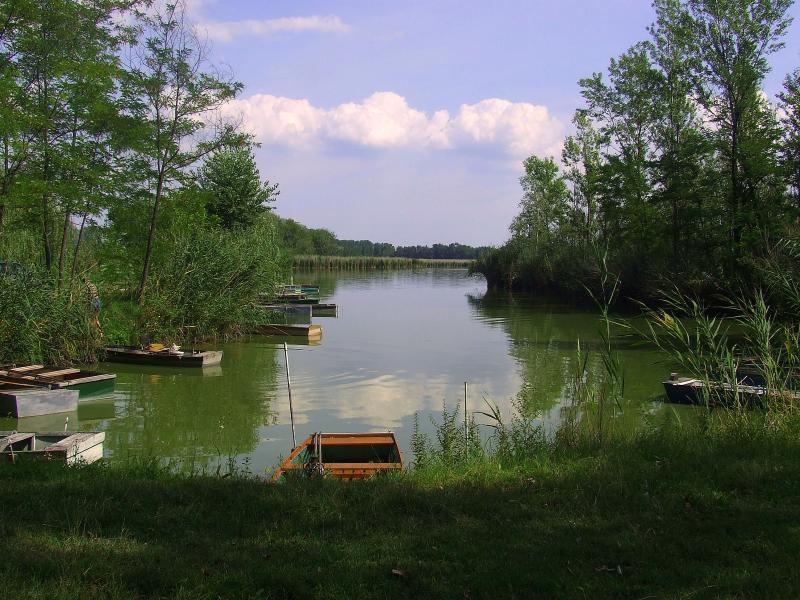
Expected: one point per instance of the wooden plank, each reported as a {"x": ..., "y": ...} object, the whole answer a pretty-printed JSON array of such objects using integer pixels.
[
  {"x": 13, "y": 438},
  {"x": 26, "y": 368},
  {"x": 58, "y": 373}
]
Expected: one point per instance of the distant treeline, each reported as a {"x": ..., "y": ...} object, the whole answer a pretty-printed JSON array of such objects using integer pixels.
[{"x": 302, "y": 240}]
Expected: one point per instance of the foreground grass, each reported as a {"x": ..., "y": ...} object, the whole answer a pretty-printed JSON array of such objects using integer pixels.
[{"x": 678, "y": 518}]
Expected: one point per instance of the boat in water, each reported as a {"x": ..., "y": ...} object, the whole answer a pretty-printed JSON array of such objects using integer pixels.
[
  {"x": 68, "y": 447},
  {"x": 153, "y": 355},
  {"x": 343, "y": 456},
  {"x": 309, "y": 332},
  {"x": 687, "y": 390},
  {"x": 86, "y": 382}
]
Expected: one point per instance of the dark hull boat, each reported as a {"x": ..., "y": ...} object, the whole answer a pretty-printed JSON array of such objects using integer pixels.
[
  {"x": 343, "y": 456},
  {"x": 86, "y": 382},
  {"x": 132, "y": 354},
  {"x": 685, "y": 390}
]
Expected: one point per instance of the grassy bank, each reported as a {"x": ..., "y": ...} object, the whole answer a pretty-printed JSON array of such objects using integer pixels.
[
  {"x": 669, "y": 514},
  {"x": 370, "y": 263}
]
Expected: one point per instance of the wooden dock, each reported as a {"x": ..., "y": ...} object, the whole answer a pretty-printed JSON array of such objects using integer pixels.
[{"x": 68, "y": 447}]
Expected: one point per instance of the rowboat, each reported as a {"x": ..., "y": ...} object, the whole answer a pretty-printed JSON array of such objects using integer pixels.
[
  {"x": 303, "y": 288},
  {"x": 166, "y": 357},
  {"x": 685, "y": 390},
  {"x": 310, "y": 332},
  {"x": 68, "y": 447},
  {"x": 86, "y": 382},
  {"x": 343, "y": 455},
  {"x": 18, "y": 400},
  {"x": 312, "y": 310}
]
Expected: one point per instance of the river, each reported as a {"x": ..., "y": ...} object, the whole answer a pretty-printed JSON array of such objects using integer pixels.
[{"x": 404, "y": 343}]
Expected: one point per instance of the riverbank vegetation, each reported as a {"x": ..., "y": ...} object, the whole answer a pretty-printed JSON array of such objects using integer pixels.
[
  {"x": 123, "y": 191},
  {"x": 679, "y": 164},
  {"x": 371, "y": 263}
]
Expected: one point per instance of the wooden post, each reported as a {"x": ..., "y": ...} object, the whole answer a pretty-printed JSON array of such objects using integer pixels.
[
  {"x": 466, "y": 429},
  {"x": 289, "y": 387}
]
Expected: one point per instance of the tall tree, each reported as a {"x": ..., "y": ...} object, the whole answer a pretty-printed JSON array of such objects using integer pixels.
[
  {"x": 174, "y": 92},
  {"x": 790, "y": 104},
  {"x": 732, "y": 40},
  {"x": 232, "y": 183}
]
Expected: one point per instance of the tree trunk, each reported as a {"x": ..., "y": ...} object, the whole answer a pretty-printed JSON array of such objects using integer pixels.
[
  {"x": 63, "y": 247},
  {"x": 150, "y": 240},
  {"x": 77, "y": 248}
]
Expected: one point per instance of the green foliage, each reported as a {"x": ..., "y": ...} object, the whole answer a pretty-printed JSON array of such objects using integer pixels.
[
  {"x": 678, "y": 164},
  {"x": 40, "y": 323},
  {"x": 236, "y": 195},
  {"x": 205, "y": 278}
]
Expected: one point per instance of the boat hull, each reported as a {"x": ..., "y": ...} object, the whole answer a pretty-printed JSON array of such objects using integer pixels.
[
  {"x": 70, "y": 448},
  {"x": 309, "y": 332},
  {"x": 188, "y": 359},
  {"x": 34, "y": 402}
]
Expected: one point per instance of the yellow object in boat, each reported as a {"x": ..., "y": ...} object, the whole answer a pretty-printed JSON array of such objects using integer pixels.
[{"x": 156, "y": 347}]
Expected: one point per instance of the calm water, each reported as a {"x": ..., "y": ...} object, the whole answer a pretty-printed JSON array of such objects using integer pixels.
[{"x": 404, "y": 343}]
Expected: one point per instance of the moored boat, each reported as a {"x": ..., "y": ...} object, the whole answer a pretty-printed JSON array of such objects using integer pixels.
[
  {"x": 68, "y": 447},
  {"x": 86, "y": 382},
  {"x": 343, "y": 455},
  {"x": 166, "y": 356},
  {"x": 686, "y": 390},
  {"x": 311, "y": 332},
  {"x": 18, "y": 400}
]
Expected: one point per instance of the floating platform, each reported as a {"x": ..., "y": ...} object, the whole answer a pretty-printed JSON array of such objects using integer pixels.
[
  {"x": 20, "y": 400},
  {"x": 309, "y": 332},
  {"x": 68, "y": 447},
  {"x": 86, "y": 382},
  {"x": 344, "y": 456},
  {"x": 133, "y": 354}
]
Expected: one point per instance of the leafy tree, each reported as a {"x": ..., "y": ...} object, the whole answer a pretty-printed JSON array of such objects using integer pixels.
[
  {"x": 172, "y": 90},
  {"x": 232, "y": 183},
  {"x": 544, "y": 202},
  {"x": 790, "y": 103}
]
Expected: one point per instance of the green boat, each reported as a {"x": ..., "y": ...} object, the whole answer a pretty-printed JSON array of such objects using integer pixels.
[{"x": 87, "y": 383}]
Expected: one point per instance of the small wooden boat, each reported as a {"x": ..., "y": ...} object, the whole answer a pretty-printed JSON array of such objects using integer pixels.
[
  {"x": 86, "y": 382},
  {"x": 303, "y": 288},
  {"x": 166, "y": 357},
  {"x": 67, "y": 447},
  {"x": 685, "y": 390},
  {"x": 312, "y": 310},
  {"x": 311, "y": 332},
  {"x": 344, "y": 455},
  {"x": 19, "y": 400}
]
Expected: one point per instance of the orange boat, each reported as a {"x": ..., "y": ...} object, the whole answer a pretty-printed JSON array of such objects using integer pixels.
[{"x": 344, "y": 455}]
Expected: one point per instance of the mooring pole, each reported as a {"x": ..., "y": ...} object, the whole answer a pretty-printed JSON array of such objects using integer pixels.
[
  {"x": 289, "y": 387},
  {"x": 466, "y": 429}
]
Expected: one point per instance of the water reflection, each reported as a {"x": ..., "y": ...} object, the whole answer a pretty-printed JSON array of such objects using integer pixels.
[{"x": 404, "y": 343}]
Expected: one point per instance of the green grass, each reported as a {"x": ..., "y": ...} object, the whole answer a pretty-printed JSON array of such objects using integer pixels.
[{"x": 673, "y": 515}]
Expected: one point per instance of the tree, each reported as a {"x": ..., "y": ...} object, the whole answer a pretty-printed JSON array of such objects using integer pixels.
[
  {"x": 790, "y": 104},
  {"x": 732, "y": 40},
  {"x": 173, "y": 92},
  {"x": 544, "y": 202},
  {"x": 231, "y": 181}
]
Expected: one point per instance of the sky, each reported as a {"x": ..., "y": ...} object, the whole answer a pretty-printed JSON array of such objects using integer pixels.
[{"x": 408, "y": 121}]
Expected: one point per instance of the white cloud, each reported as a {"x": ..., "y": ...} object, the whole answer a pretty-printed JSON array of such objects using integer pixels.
[
  {"x": 385, "y": 120},
  {"x": 225, "y": 31}
]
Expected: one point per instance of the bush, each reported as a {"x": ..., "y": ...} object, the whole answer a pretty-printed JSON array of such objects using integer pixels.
[
  {"x": 40, "y": 323},
  {"x": 208, "y": 278}
]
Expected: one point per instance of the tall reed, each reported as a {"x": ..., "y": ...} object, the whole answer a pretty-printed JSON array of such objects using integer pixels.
[{"x": 374, "y": 263}]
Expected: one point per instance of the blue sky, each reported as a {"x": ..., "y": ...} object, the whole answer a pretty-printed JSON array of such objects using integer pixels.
[{"x": 407, "y": 121}]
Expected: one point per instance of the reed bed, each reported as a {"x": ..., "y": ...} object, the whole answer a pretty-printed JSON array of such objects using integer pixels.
[{"x": 375, "y": 263}]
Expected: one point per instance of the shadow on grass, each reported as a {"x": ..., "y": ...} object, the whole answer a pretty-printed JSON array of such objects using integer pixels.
[{"x": 702, "y": 520}]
